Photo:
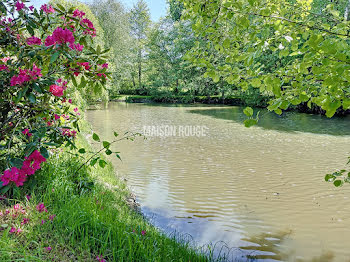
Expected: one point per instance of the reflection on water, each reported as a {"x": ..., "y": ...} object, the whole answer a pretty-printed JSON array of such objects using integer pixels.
[
  {"x": 259, "y": 190},
  {"x": 288, "y": 121}
]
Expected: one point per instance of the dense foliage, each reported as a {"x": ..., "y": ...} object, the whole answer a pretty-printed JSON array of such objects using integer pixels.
[{"x": 42, "y": 53}]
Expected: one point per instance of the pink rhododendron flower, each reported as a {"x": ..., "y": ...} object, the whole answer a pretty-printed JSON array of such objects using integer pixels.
[
  {"x": 13, "y": 175},
  {"x": 68, "y": 132},
  {"x": 26, "y": 75},
  {"x": 56, "y": 90},
  {"x": 19, "y": 6},
  {"x": 49, "y": 41},
  {"x": 62, "y": 36},
  {"x": 32, "y": 163},
  {"x": 78, "y": 13},
  {"x": 20, "y": 79},
  {"x": 25, "y": 221},
  {"x": 26, "y": 132},
  {"x": 100, "y": 259},
  {"x": 31, "y": 8},
  {"x": 47, "y": 9},
  {"x": 76, "y": 47},
  {"x": 41, "y": 208},
  {"x": 33, "y": 41},
  {"x": 5, "y": 59},
  {"x": 56, "y": 117},
  {"x": 4, "y": 68},
  {"x": 86, "y": 65},
  {"x": 90, "y": 29}
]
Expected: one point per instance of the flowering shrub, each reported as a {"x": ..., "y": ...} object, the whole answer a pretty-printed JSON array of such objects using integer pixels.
[{"x": 42, "y": 53}]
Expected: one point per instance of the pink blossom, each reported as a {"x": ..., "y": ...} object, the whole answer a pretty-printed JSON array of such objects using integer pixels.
[
  {"x": 56, "y": 90},
  {"x": 57, "y": 117},
  {"x": 13, "y": 175},
  {"x": 143, "y": 232},
  {"x": 5, "y": 59},
  {"x": 100, "y": 259},
  {"x": 26, "y": 75},
  {"x": 48, "y": 249},
  {"x": 31, "y": 8},
  {"x": 43, "y": 222},
  {"x": 78, "y": 13},
  {"x": 28, "y": 197},
  {"x": 19, "y": 6},
  {"x": 52, "y": 217},
  {"x": 19, "y": 230},
  {"x": 75, "y": 109},
  {"x": 32, "y": 163},
  {"x": 33, "y": 41},
  {"x": 90, "y": 29},
  {"x": 69, "y": 101},
  {"x": 4, "y": 68},
  {"x": 62, "y": 36},
  {"x": 76, "y": 47},
  {"x": 49, "y": 41},
  {"x": 41, "y": 208},
  {"x": 26, "y": 132},
  {"x": 16, "y": 207},
  {"x": 86, "y": 65},
  {"x": 105, "y": 65},
  {"x": 68, "y": 132},
  {"x": 12, "y": 230},
  {"x": 20, "y": 79},
  {"x": 47, "y": 9},
  {"x": 25, "y": 221}
]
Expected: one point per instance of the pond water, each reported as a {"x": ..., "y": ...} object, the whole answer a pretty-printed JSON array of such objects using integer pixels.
[{"x": 260, "y": 190}]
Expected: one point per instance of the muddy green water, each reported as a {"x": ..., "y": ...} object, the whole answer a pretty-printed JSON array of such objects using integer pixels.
[{"x": 260, "y": 190}]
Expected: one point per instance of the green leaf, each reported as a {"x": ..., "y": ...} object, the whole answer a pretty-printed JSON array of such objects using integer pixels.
[
  {"x": 44, "y": 152},
  {"x": 82, "y": 151},
  {"x": 54, "y": 57},
  {"x": 106, "y": 144},
  {"x": 117, "y": 155},
  {"x": 95, "y": 137},
  {"x": 32, "y": 98},
  {"x": 248, "y": 111},
  {"x": 102, "y": 163},
  {"x": 250, "y": 122},
  {"x": 4, "y": 189},
  {"x": 108, "y": 152},
  {"x": 338, "y": 183},
  {"x": 116, "y": 134},
  {"x": 94, "y": 161},
  {"x": 16, "y": 162},
  {"x": 30, "y": 30}
]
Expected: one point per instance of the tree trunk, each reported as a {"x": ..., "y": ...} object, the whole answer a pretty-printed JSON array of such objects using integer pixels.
[
  {"x": 347, "y": 11},
  {"x": 140, "y": 68}
]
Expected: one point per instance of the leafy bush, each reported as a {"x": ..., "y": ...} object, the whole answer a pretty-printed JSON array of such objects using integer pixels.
[{"x": 42, "y": 53}]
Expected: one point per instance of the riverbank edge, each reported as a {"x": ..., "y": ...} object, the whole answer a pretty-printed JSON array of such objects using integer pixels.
[
  {"x": 111, "y": 227},
  {"x": 218, "y": 100}
]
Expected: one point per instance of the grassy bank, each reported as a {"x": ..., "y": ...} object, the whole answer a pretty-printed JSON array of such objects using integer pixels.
[{"x": 87, "y": 216}]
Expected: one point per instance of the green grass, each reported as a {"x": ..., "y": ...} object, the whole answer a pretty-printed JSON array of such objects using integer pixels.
[{"x": 91, "y": 219}]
